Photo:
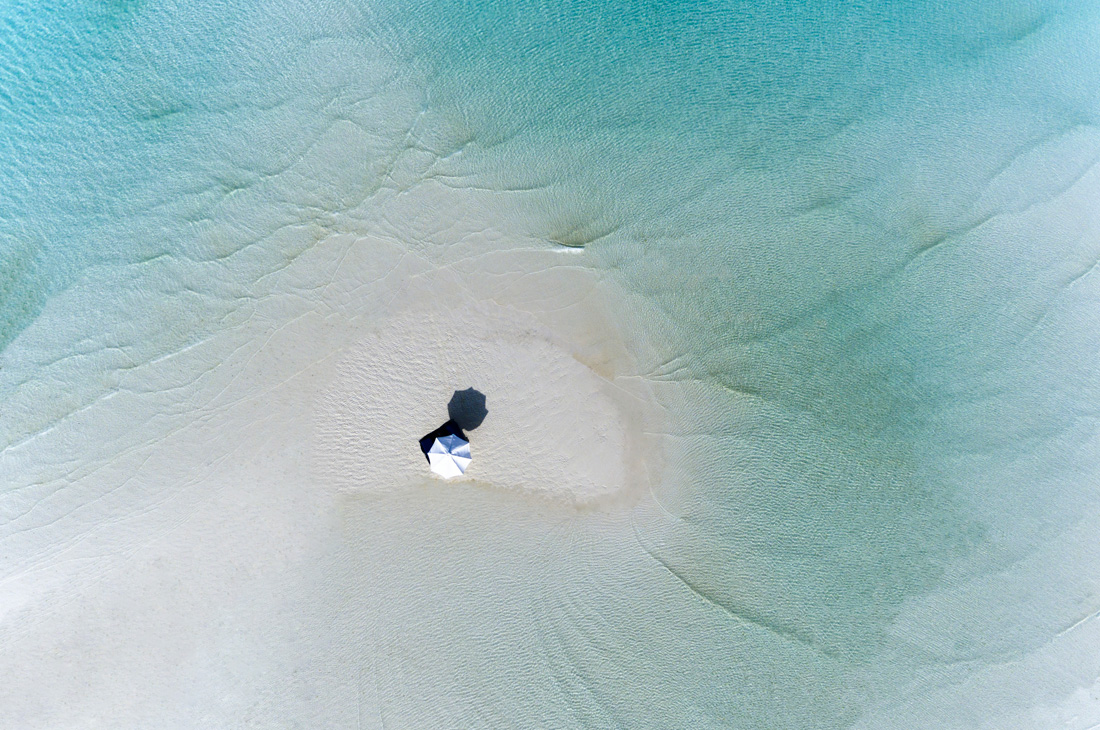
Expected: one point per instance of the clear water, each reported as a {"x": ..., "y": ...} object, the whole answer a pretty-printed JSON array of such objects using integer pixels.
[{"x": 869, "y": 230}]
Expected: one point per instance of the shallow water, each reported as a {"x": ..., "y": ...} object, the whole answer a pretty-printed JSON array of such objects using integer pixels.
[{"x": 841, "y": 257}]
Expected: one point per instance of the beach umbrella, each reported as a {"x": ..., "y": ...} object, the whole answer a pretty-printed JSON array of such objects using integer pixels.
[{"x": 447, "y": 450}]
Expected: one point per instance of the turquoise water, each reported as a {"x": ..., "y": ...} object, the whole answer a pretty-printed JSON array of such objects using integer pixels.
[{"x": 869, "y": 231}]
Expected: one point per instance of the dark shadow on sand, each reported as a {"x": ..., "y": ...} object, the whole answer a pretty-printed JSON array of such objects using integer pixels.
[{"x": 467, "y": 408}]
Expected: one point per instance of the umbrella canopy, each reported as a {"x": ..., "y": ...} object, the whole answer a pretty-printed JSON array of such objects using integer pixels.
[
  {"x": 447, "y": 450},
  {"x": 449, "y": 456}
]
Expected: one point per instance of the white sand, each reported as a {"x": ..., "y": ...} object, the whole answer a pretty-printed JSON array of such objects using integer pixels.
[
  {"x": 187, "y": 532},
  {"x": 554, "y": 427},
  {"x": 215, "y": 513}
]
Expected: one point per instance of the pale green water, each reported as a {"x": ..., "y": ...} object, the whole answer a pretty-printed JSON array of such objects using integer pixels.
[{"x": 870, "y": 229}]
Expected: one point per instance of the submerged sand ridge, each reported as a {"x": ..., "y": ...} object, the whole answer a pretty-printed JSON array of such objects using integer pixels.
[{"x": 555, "y": 427}]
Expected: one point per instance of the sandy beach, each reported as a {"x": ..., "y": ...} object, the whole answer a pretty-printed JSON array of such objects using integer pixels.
[
  {"x": 784, "y": 316},
  {"x": 314, "y": 404}
]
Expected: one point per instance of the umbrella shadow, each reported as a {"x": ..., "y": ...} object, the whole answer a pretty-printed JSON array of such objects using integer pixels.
[
  {"x": 467, "y": 408},
  {"x": 450, "y": 428}
]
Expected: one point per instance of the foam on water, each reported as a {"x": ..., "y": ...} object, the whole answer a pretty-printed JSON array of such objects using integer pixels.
[{"x": 822, "y": 277}]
